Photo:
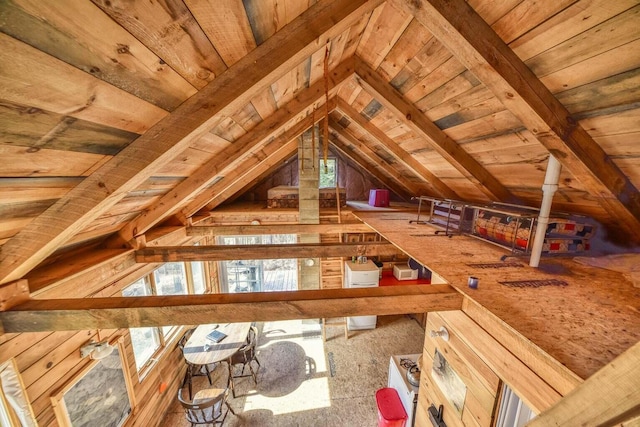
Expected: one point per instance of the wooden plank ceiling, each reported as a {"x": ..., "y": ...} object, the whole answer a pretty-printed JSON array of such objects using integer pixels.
[{"x": 115, "y": 117}]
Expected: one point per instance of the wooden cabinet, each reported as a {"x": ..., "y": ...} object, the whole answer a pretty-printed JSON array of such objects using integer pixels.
[{"x": 465, "y": 374}]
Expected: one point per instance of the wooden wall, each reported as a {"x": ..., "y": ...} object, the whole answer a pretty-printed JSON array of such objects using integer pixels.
[
  {"x": 483, "y": 364},
  {"x": 354, "y": 178},
  {"x": 48, "y": 360}
]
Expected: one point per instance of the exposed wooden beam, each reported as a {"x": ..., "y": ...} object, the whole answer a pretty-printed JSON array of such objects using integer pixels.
[
  {"x": 415, "y": 119},
  {"x": 123, "y": 312},
  {"x": 232, "y": 155},
  {"x": 607, "y": 398},
  {"x": 229, "y": 92},
  {"x": 370, "y": 167},
  {"x": 231, "y": 252},
  {"x": 340, "y": 132},
  {"x": 237, "y": 230},
  {"x": 399, "y": 153},
  {"x": 474, "y": 43}
]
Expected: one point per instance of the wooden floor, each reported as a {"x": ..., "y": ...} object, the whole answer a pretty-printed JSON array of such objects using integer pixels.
[
  {"x": 280, "y": 280},
  {"x": 583, "y": 325}
]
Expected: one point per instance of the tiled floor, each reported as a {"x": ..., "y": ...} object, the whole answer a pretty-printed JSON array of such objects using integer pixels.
[{"x": 306, "y": 382}]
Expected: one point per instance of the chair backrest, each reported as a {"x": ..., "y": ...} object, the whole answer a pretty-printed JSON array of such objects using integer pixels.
[
  {"x": 185, "y": 338},
  {"x": 205, "y": 411},
  {"x": 247, "y": 352}
]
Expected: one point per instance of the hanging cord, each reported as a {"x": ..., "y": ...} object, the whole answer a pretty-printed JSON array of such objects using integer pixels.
[
  {"x": 313, "y": 138},
  {"x": 325, "y": 142}
]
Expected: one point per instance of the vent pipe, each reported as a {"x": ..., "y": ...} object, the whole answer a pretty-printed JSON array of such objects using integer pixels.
[{"x": 548, "y": 189}]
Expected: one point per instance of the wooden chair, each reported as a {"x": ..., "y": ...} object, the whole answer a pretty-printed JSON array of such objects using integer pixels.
[
  {"x": 207, "y": 406},
  {"x": 244, "y": 356},
  {"x": 192, "y": 369}
]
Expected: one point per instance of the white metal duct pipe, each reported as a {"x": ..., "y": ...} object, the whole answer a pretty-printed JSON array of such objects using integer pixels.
[{"x": 548, "y": 189}]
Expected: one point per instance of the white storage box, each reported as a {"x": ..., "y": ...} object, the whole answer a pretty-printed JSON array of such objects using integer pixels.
[{"x": 404, "y": 272}]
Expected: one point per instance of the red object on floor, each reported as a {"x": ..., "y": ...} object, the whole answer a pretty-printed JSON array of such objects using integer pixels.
[
  {"x": 379, "y": 198},
  {"x": 387, "y": 279},
  {"x": 391, "y": 413}
]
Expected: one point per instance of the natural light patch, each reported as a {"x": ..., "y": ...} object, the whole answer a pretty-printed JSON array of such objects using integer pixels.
[
  {"x": 299, "y": 377},
  {"x": 312, "y": 394}
]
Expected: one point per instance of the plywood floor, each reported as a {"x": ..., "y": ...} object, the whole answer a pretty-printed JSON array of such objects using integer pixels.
[
  {"x": 583, "y": 325},
  {"x": 306, "y": 382}
]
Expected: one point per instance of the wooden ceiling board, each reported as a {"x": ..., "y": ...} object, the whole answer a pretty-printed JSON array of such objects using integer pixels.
[
  {"x": 621, "y": 145},
  {"x": 483, "y": 108},
  {"x": 492, "y": 11},
  {"x": 432, "y": 56},
  {"x": 22, "y": 162},
  {"x": 41, "y": 81},
  {"x": 414, "y": 38},
  {"x": 615, "y": 61},
  {"x": 615, "y": 93},
  {"x": 247, "y": 117},
  {"x": 20, "y": 190},
  {"x": 434, "y": 76},
  {"x": 94, "y": 43},
  {"x": 228, "y": 129},
  {"x": 168, "y": 29},
  {"x": 456, "y": 86},
  {"x": 613, "y": 124},
  {"x": 472, "y": 96},
  {"x": 385, "y": 27},
  {"x": 264, "y": 103},
  {"x": 227, "y": 27},
  {"x": 184, "y": 164},
  {"x": 524, "y": 17},
  {"x": 355, "y": 33},
  {"x": 495, "y": 124},
  {"x": 34, "y": 128},
  {"x": 617, "y": 31},
  {"x": 266, "y": 17},
  {"x": 572, "y": 21}
]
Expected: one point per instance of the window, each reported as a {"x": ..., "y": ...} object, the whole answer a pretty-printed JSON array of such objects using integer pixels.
[
  {"x": 258, "y": 275},
  {"x": 145, "y": 341},
  {"x": 198, "y": 276},
  {"x": 173, "y": 278},
  {"x": 328, "y": 176}
]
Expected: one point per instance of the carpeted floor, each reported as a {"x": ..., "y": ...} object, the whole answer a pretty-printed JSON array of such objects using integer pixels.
[{"x": 307, "y": 382}]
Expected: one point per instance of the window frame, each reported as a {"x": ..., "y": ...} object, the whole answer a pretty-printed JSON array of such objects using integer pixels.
[{"x": 165, "y": 339}]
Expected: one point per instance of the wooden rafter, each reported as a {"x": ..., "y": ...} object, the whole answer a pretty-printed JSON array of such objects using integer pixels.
[
  {"x": 235, "y": 230},
  {"x": 607, "y": 398},
  {"x": 415, "y": 188},
  {"x": 232, "y": 252},
  {"x": 410, "y": 115},
  {"x": 263, "y": 164},
  {"x": 474, "y": 43},
  {"x": 398, "y": 152},
  {"x": 230, "y": 91},
  {"x": 126, "y": 312},
  {"x": 371, "y": 168},
  {"x": 232, "y": 155}
]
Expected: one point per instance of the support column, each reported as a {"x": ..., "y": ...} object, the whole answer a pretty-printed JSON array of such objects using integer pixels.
[{"x": 309, "y": 207}]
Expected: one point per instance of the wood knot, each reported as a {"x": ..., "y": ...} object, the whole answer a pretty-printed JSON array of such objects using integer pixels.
[{"x": 123, "y": 48}]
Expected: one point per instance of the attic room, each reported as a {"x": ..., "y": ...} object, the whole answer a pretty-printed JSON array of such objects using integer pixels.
[{"x": 161, "y": 158}]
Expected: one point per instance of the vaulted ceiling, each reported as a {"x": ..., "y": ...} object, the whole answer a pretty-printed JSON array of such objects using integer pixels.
[{"x": 118, "y": 115}]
